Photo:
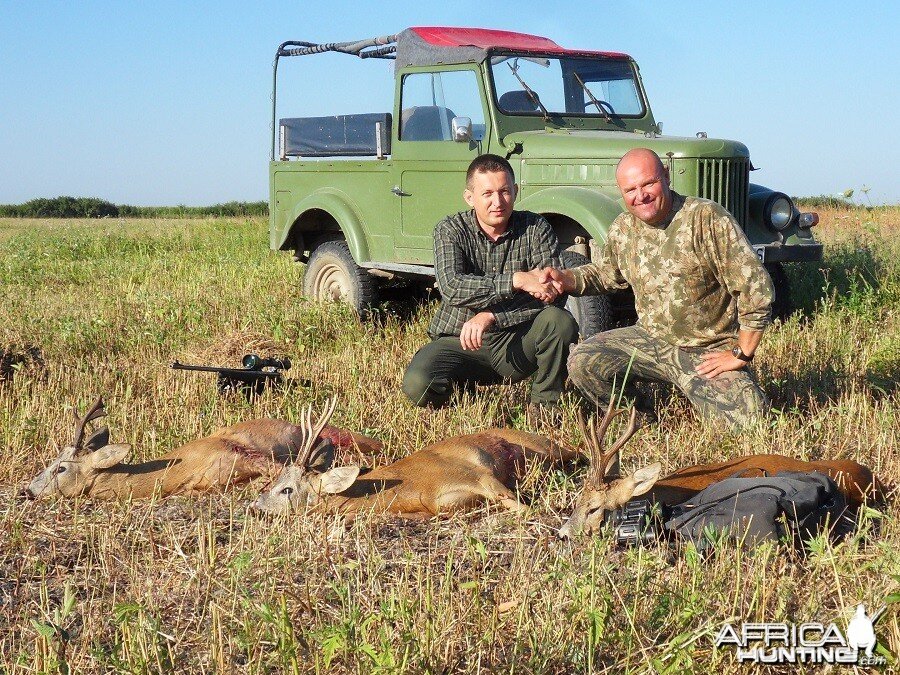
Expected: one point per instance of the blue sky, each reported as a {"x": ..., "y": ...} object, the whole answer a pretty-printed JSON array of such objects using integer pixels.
[{"x": 169, "y": 102}]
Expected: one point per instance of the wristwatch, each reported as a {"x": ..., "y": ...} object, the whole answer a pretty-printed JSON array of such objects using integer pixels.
[{"x": 738, "y": 354}]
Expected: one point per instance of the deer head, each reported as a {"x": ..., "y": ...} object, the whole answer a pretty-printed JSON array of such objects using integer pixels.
[
  {"x": 601, "y": 492},
  {"x": 73, "y": 472},
  {"x": 305, "y": 483}
]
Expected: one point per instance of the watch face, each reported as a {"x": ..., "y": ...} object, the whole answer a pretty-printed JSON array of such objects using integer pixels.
[{"x": 738, "y": 354}]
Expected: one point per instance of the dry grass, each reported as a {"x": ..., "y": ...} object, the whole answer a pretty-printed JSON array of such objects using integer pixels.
[{"x": 199, "y": 585}]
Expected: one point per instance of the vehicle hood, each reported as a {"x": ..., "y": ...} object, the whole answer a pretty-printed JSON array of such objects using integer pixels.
[{"x": 582, "y": 144}]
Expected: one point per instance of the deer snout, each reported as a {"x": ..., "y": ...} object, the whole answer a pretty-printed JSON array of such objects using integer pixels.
[
  {"x": 566, "y": 531},
  {"x": 574, "y": 526},
  {"x": 571, "y": 530},
  {"x": 586, "y": 520}
]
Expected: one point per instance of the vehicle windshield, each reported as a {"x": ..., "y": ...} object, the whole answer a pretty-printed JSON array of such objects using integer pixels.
[{"x": 583, "y": 86}]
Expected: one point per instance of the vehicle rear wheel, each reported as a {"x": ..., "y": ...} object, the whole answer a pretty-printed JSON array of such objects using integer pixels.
[
  {"x": 333, "y": 276},
  {"x": 592, "y": 312},
  {"x": 781, "y": 305}
]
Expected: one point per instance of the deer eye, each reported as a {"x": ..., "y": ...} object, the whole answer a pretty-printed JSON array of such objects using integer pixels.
[
  {"x": 61, "y": 469},
  {"x": 287, "y": 491}
]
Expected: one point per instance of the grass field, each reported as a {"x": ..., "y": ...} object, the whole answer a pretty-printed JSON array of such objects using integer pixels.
[{"x": 198, "y": 585}]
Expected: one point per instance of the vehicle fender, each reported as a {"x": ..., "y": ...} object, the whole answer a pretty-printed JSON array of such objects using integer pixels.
[
  {"x": 755, "y": 228},
  {"x": 339, "y": 206},
  {"x": 593, "y": 210},
  {"x": 755, "y": 189}
]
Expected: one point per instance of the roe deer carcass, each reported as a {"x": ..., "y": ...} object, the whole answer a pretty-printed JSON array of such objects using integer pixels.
[
  {"x": 448, "y": 475},
  {"x": 229, "y": 456},
  {"x": 602, "y": 492}
]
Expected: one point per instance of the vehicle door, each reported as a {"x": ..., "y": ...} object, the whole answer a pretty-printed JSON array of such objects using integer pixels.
[{"x": 429, "y": 165}]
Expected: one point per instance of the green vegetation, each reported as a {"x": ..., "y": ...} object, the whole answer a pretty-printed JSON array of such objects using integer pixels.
[
  {"x": 823, "y": 202},
  {"x": 199, "y": 585},
  {"x": 91, "y": 207}
]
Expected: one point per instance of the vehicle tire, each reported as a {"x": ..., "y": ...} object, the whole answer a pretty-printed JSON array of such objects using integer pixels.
[
  {"x": 332, "y": 275},
  {"x": 592, "y": 312},
  {"x": 781, "y": 305}
]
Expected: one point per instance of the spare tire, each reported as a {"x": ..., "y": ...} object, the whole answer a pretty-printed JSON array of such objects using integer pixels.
[{"x": 592, "y": 312}]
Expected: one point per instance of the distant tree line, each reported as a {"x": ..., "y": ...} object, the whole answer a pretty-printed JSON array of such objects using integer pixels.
[
  {"x": 824, "y": 202},
  {"x": 91, "y": 207}
]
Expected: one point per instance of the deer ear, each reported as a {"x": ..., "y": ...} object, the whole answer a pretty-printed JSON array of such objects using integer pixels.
[
  {"x": 339, "y": 479},
  {"x": 97, "y": 440},
  {"x": 645, "y": 478},
  {"x": 110, "y": 455},
  {"x": 322, "y": 457}
]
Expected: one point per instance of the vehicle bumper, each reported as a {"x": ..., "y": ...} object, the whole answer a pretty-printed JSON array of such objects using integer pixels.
[{"x": 789, "y": 252}]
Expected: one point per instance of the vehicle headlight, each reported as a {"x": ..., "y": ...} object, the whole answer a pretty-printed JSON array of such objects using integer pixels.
[{"x": 779, "y": 211}]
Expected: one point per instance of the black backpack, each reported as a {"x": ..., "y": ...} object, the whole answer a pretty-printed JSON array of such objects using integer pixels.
[{"x": 793, "y": 506}]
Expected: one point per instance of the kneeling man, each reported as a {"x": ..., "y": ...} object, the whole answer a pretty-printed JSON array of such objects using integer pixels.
[
  {"x": 498, "y": 319},
  {"x": 703, "y": 298}
]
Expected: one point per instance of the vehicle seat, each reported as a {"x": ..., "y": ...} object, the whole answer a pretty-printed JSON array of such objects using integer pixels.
[
  {"x": 426, "y": 123},
  {"x": 517, "y": 101}
]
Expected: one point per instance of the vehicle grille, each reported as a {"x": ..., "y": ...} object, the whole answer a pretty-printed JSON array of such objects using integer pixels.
[{"x": 725, "y": 181}]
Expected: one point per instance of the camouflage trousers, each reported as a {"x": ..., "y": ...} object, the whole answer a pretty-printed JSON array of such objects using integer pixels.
[{"x": 602, "y": 360}]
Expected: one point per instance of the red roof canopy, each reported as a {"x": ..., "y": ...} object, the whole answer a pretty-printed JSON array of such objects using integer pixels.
[{"x": 483, "y": 38}]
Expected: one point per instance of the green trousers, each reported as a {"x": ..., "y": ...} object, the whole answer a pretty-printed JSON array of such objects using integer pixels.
[
  {"x": 734, "y": 396},
  {"x": 538, "y": 347}
]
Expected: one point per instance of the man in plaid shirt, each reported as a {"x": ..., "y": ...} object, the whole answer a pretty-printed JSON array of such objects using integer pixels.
[{"x": 499, "y": 320}]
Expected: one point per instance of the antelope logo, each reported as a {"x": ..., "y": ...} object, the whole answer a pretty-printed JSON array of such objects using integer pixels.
[{"x": 861, "y": 630}]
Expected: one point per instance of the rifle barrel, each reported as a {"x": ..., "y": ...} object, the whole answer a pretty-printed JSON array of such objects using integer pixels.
[{"x": 230, "y": 372}]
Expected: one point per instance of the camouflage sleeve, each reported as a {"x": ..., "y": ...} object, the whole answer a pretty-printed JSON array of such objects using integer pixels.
[
  {"x": 458, "y": 286},
  {"x": 543, "y": 251},
  {"x": 604, "y": 275},
  {"x": 740, "y": 272}
]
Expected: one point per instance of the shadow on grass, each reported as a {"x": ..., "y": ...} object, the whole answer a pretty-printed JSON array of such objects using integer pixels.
[
  {"x": 13, "y": 359},
  {"x": 808, "y": 389},
  {"x": 848, "y": 274},
  {"x": 403, "y": 302},
  {"x": 854, "y": 279}
]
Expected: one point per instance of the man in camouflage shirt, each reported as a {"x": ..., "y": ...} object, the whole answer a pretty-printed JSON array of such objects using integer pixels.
[
  {"x": 498, "y": 319},
  {"x": 703, "y": 299}
]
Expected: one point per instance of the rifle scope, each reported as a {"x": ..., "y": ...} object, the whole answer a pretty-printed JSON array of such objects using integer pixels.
[{"x": 255, "y": 362}]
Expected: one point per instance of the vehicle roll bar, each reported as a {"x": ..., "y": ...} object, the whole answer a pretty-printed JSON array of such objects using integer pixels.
[{"x": 375, "y": 48}]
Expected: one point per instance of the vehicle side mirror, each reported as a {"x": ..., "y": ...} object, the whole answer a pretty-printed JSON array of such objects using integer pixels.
[{"x": 462, "y": 129}]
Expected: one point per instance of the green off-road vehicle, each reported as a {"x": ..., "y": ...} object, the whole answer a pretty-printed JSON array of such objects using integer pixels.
[{"x": 356, "y": 197}]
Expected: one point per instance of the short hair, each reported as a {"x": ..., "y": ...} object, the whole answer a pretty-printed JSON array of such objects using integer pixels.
[{"x": 489, "y": 164}]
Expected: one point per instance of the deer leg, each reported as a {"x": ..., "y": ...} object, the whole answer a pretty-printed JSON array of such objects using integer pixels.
[{"x": 495, "y": 491}]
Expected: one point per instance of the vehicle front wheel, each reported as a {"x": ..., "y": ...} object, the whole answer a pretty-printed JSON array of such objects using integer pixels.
[
  {"x": 333, "y": 276},
  {"x": 782, "y": 307},
  {"x": 593, "y": 313}
]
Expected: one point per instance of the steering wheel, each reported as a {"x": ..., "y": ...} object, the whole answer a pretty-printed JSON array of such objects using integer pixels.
[{"x": 600, "y": 104}]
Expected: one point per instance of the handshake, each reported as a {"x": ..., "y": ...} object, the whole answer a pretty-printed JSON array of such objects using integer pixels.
[{"x": 545, "y": 284}]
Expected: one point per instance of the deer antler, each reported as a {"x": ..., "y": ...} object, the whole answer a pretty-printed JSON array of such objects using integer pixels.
[
  {"x": 310, "y": 433},
  {"x": 96, "y": 411},
  {"x": 600, "y": 459}
]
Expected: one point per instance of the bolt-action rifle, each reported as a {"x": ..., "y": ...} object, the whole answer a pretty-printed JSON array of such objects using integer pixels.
[{"x": 252, "y": 379}]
